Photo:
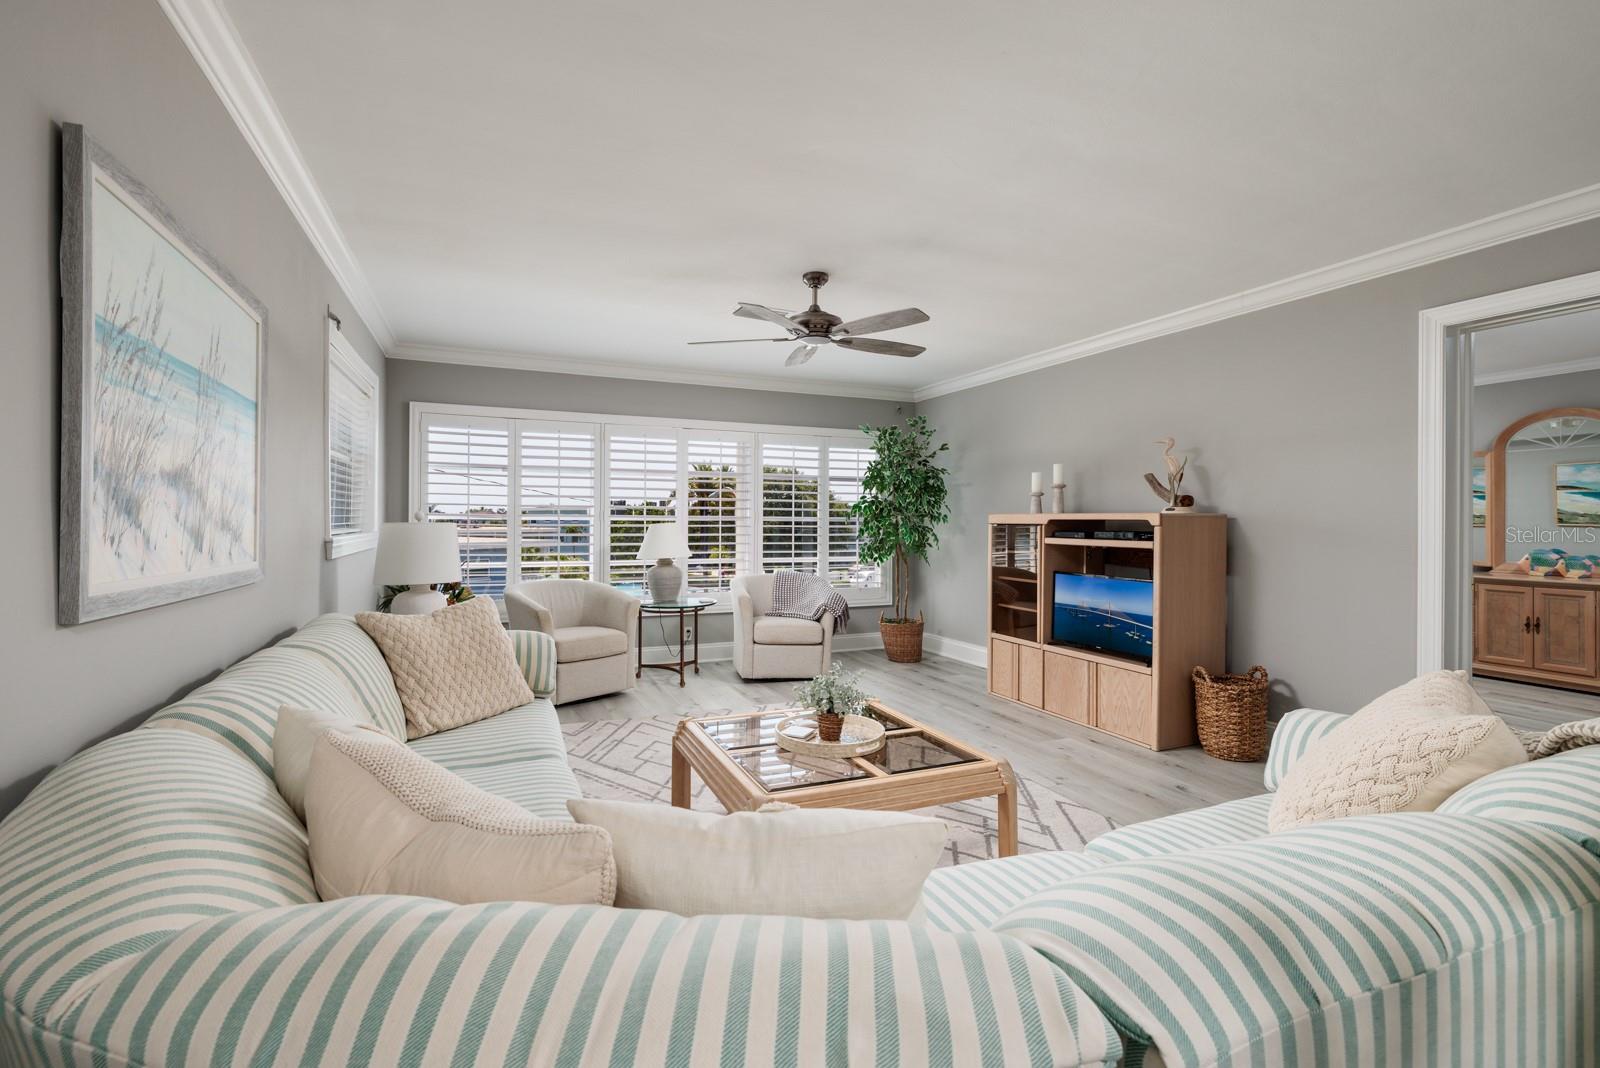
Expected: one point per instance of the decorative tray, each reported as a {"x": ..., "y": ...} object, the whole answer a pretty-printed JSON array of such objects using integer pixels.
[{"x": 859, "y": 736}]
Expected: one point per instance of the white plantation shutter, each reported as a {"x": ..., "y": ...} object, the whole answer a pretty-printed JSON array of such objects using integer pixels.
[
  {"x": 642, "y": 471},
  {"x": 720, "y": 509},
  {"x": 352, "y": 401},
  {"x": 466, "y": 480},
  {"x": 789, "y": 522},
  {"x": 847, "y": 466},
  {"x": 557, "y": 476}
]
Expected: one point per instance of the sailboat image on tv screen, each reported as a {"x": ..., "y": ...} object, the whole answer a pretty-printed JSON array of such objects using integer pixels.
[{"x": 1110, "y": 615}]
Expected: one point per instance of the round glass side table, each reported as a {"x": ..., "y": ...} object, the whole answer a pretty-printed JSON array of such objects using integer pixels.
[{"x": 685, "y": 608}]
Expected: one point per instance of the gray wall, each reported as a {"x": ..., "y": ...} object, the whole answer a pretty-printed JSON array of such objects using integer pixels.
[
  {"x": 1302, "y": 423},
  {"x": 1529, "y": 504},
  {"x": 442, "y": 383},
  {"x": 120, "y": 69}
]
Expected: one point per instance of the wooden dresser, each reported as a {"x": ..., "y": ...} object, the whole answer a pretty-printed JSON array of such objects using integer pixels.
[{"x": 1536, "y": 629}]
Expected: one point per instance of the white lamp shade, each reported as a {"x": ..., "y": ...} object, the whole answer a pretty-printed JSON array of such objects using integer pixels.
[
  {"x": 664, "y": 541},
  {"x": 417, "y": 554}
]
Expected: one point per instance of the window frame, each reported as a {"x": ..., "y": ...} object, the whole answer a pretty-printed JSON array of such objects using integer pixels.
[
  {"x": 343, "y": 359},
  {"x": 604, "y": 424}
]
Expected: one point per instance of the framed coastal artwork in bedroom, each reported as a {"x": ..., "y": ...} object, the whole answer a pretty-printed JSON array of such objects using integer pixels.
[
  {"x": 162, "y": 361},
  {"x": 1578, "y": 494}
]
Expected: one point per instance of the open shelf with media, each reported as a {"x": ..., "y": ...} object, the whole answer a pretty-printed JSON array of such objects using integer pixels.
[{"x": 1100, "y": 618}]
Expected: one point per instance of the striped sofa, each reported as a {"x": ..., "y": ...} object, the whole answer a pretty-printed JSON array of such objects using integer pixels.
[{"x": 157, "y": 908}]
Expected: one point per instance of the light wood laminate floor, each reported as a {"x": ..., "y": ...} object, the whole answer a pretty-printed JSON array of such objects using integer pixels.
[
  {"x": 1121, "y": 781},
  {"x": 1536, "y": 708}
]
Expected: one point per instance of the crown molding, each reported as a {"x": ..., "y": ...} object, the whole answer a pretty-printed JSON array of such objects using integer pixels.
[
  {"x": 214, "y": 42},
  {"x": 1577, "y": 206},
  {"x": 1543, "y": 370},
  {"x": 564, "y": 365}
]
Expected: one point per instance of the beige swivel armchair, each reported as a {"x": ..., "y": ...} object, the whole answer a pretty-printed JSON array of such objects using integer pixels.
[
  {"x": 776, "y": 647},
  {"x": 595, "y": 627}
]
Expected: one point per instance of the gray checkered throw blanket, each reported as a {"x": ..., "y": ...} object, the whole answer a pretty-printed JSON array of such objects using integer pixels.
[{"x": 807, "y": 597}]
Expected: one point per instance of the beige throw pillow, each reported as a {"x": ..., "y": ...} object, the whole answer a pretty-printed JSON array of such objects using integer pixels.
[
  {"x": 1407, "y": 751},
  {"x": 383, "y": 819},
  {"x": 450, "y": 667},
  {"x": 294, "y": 735},
  {"x": 831, "y": 863}
]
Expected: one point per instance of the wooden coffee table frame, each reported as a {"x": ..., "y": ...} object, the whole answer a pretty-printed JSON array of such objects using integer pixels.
[{"x": 738, "y": 790}]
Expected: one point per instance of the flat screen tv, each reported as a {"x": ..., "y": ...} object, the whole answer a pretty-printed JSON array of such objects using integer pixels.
[{"x": 1107, "y": 615}]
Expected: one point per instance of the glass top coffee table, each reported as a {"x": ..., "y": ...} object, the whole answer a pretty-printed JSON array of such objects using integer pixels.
[{"x": 742, "y": 764}]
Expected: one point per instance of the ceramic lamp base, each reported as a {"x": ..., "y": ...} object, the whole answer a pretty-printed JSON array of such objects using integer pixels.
[
  {"x": 417, "y": 601},
  {"x": 665, "y": 581}
]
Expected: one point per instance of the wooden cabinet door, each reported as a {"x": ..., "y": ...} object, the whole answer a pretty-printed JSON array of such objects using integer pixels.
[
  {"x": 1030, "y": 675},
  {"x": 1564, "y": 631},
  {"x": 1067, "y": 681},
  {"x": 1122, "y": 704},
  {"x": 1003, "y": 668},
  {"x": 1505, "y": 625}
]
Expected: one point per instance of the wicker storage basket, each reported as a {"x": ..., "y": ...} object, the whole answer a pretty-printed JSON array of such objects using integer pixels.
[
  {"x": 1230, "y": 712},
  {"x": 902, "y": 641}
]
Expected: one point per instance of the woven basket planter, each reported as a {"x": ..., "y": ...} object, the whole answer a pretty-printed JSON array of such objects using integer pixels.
[
  {"x": 902, "y": 641},
  {"x": 1230, "y": 712}
]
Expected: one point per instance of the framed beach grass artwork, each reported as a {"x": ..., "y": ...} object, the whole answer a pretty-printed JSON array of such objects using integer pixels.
[
  {"x": 1577, "y": 494},
  {"x": 162, "y": 358}
]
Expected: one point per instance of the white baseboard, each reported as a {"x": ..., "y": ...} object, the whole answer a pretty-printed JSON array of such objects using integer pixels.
[
  {"x": 966, "y": 652},
  {"x": 711, "y": 652}
]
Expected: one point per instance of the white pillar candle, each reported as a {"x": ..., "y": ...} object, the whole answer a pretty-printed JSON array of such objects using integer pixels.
[
  {"x": 1058, "y": 474},
  {"x": 1038, "y": 482}
]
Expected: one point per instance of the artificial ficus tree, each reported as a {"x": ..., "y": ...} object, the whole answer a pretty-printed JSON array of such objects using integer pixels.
[{"x": 903, "y": 501}]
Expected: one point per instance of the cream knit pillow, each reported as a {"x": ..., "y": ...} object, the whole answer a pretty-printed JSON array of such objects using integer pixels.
[
  {"x": 294, "y": 736},
  {"x": 451, "y": 667},
  {"x": 383, "y": 819},
  {"x": 824, "y": 863},
  {"x": 1407, "y": 751}
]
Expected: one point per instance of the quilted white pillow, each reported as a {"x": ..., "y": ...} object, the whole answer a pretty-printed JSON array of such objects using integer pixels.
[
  {"x": 823, "y": 863},
  {"x": 1407, "y": 751},
  {"x": 384, "y": 819}
]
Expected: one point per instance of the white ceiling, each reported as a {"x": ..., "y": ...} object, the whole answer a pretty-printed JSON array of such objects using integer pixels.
[
  {"x": 602, "y": 181},
  {"x": 1548, "y": 345}
]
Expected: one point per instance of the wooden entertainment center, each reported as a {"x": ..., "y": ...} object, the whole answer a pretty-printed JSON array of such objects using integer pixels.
[{"x": 1185, "y": 557}]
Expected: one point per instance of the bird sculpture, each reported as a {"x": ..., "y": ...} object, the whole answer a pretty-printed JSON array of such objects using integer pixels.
[{"x": 1168, "y": 491}]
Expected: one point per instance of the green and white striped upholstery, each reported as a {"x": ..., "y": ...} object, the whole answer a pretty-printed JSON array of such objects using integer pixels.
[
  {"x": 1296, "y": 732},
  {"x": 536, "y": 654},
  {"x": 971, "y": 897},
  {"x": 240, "y": 707},
  {"x": 144, "y": 835},
  {"x": 341, "y": 643},
  {"x": 1561, "y": 792},
  {"x": 1396, "y": 940},
  {"x": 1224, "y": 824},
  {"x": 518, "y": 754}
]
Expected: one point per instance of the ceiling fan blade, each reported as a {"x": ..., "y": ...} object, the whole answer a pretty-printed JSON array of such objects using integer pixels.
[
  {"x": 876, "y": 324},
  {"x": 879, "y": 346},
  {"x": 800, "y": 355},
  {"x": 761, "y": 311},
  {"x": 740, "y": 340}
]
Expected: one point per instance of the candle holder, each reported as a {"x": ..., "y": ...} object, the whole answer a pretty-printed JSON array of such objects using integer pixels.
[
  {"x": 1037, "y": 505},
  {"x": 1058, "y": 499}
]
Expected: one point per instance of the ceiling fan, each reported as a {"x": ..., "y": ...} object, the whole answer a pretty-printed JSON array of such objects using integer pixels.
[{"x": 814, "y": 327}]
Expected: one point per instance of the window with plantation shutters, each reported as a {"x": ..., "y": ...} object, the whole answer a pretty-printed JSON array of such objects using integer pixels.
[
  {"x": 352, "y": 440},
  {"x": 642, "y": 469},
  {"x": 789, "y": 519},
  {"x": 721, "y": 509},
  {"x": 554, "y": 495},
  {"x": 847, "y": 466}
]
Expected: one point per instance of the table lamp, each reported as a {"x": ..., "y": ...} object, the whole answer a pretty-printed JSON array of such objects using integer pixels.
[
  {"x": 662, "y": 543},
  {"x": 417, "y": 555}
]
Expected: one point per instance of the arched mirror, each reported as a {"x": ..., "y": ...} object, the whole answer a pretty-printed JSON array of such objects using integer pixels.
[{"x": 1539, "y": 486}]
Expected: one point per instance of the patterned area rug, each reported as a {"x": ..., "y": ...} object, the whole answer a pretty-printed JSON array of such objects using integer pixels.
[{"x": 631, "y": 760}]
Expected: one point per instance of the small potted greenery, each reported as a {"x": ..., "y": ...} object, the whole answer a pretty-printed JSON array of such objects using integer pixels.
[
  {"x": 832, "y": 697},
  {"x": 903, "y": 501}
]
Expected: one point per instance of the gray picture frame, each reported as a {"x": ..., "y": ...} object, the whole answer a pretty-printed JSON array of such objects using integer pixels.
[{"x": 83, "y": 161}]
